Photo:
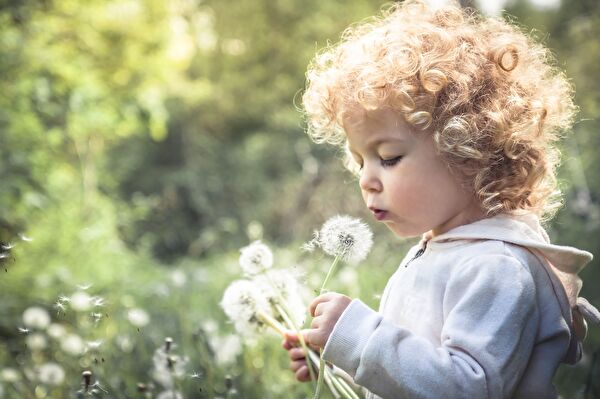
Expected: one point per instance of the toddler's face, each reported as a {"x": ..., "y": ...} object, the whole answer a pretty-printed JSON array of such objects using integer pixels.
[{"x": 403, "y": 180}]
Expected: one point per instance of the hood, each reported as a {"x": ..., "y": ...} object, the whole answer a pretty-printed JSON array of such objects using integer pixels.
[{"x": 563, "y": 263}]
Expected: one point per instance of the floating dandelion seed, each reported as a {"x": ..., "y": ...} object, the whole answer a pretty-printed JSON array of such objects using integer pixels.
[
  {"x": 60, "y": 307},
  {"x": 23, "y": 237},
  {"x": 97, "y": 301},
  {"x": 23, "y": 330},
  {"x": 195, "y": 374},
  {"x": 84, "y": 287},
  {"x": 256, "y": 258},
  {"x": 345, "y": 237}
]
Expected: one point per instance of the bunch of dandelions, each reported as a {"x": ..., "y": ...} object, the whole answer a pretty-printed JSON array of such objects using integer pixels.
[
  {"x": 346, "y": 239},
  {"x": 279, "y": 288},
  {"x": 270, "y": 298}
]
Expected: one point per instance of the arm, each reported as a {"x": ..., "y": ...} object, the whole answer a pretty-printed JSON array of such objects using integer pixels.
[{"x": 490, "y": 323}]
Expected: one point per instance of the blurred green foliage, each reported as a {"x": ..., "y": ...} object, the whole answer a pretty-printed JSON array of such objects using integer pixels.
[{"x": 145, "y": 139}]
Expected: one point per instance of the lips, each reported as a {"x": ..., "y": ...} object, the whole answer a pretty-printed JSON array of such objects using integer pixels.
[{"x": 379, "y": 214}]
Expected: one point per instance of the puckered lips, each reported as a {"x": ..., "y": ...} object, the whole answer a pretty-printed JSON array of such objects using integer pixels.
[{"x": 379, "y": 214}]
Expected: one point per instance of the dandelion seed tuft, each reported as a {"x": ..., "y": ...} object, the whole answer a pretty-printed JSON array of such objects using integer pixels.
[
  {"x": 242, "y": 301},
  {"x": 256, "y": 258},
  {"x": 346, "y": 237}
]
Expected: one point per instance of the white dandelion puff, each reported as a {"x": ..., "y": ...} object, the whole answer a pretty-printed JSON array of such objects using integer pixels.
[
  {"x": 72, "y": 344},
  {"x": 36, "y": 341},
  {"x": 167, "y": 367},
  {"x": 280, "y": 287},
  {"x": 36, "y": 317},
  {"x": 345, "y": 237},
  {"x": 51, "y": 374},
  {"x": 245, "y": 306},
  {"x": 138, "y": 317},
  {"x": 81, "y": 301},
  {"x": 256, "y": 258},
  {"x": 9, "y": 375},
  {"x": 169, "y": 395},
  {"x": 56, "y": 331}
]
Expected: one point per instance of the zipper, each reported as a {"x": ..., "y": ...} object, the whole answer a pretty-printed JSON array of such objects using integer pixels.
[{"x": 420, "y": 252}]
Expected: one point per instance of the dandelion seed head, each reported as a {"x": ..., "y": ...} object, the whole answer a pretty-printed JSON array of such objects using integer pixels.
[
  {"x": 56, "y": 331},
  {"x": 36, "y": 317},
  {"x": 241, "y": 302},
  {"x": 36, "y": 341},
  {"x": 51, "y": 374},
  {"x": 346, "y": 237},
  {"x": 170, "y": 395},
  {"x": 256, "y": 258},
  {"x": 9, "y": 375},
  {"x": 81, "y": 301},
  {"x": 226, "y": 348},
  {"x": 167, "y": 367},
  {"x": 178, "y": 278},
  {"x": 281, "y": 284},
  {"x": 138, "y": 317},
  {"x": 72, "y": 344}
]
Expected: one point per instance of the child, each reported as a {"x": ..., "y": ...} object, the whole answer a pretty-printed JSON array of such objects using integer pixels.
[{"x": 449, "y": 119}]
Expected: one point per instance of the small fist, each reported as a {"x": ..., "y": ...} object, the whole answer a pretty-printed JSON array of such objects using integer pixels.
[{"x": 326, "y": 310}]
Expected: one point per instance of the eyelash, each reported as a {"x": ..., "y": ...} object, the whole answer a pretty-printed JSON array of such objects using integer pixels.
[
  {"x": 390, "y": 162},
  {"x": 386, "y": 162}
]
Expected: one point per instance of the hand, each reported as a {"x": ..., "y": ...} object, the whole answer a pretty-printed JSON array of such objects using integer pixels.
[
  {"x": 298, "y": 363},
  {"x": 326, "y": 310}
]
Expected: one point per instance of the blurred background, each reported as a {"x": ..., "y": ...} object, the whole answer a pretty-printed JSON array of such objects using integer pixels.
[{"x": 143, "y": 142}]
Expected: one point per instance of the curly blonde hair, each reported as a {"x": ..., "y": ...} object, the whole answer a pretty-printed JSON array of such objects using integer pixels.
[{"x": 491, "y": 96}]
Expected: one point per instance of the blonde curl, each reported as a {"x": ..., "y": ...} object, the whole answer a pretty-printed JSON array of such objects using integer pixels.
[{"x": 490, "y": 95}]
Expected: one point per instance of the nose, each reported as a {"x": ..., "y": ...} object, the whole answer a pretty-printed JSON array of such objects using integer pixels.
[{"x": 369, "y": 180}]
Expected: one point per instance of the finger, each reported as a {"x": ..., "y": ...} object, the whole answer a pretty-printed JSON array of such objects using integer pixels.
[
  {"x": 319, "y": 309},
  {"x": 320, "y": 299},
  {"x": 316, "y": 323},
  {"x": 303, "y": 374},
  {"x": 297, "y": 365},
  {"x": 297, "y": 354}
]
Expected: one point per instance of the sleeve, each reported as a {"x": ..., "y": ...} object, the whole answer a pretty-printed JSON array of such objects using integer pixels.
[{"x": 489, "y": 327}]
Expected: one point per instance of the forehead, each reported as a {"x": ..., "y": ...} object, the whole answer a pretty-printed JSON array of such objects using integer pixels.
[{"x": 364, "y": 127}]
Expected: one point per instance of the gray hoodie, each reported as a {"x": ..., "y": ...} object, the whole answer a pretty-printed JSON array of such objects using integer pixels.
[{"x": 486, "y": 310}]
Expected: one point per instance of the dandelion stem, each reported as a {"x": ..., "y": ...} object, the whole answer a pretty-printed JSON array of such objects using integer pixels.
[
  {"x": 330, "y": 272},
  {"x": 271, "y": 322},
  {"x": 322, "y": 361},
  {"x": 284, "y": 311}
]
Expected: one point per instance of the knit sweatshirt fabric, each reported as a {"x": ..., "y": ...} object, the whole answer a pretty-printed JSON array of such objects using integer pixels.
[{"x": 486, "y": 310}]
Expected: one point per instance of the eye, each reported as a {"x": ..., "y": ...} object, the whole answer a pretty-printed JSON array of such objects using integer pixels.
[{"x": 391, "y": 161}]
